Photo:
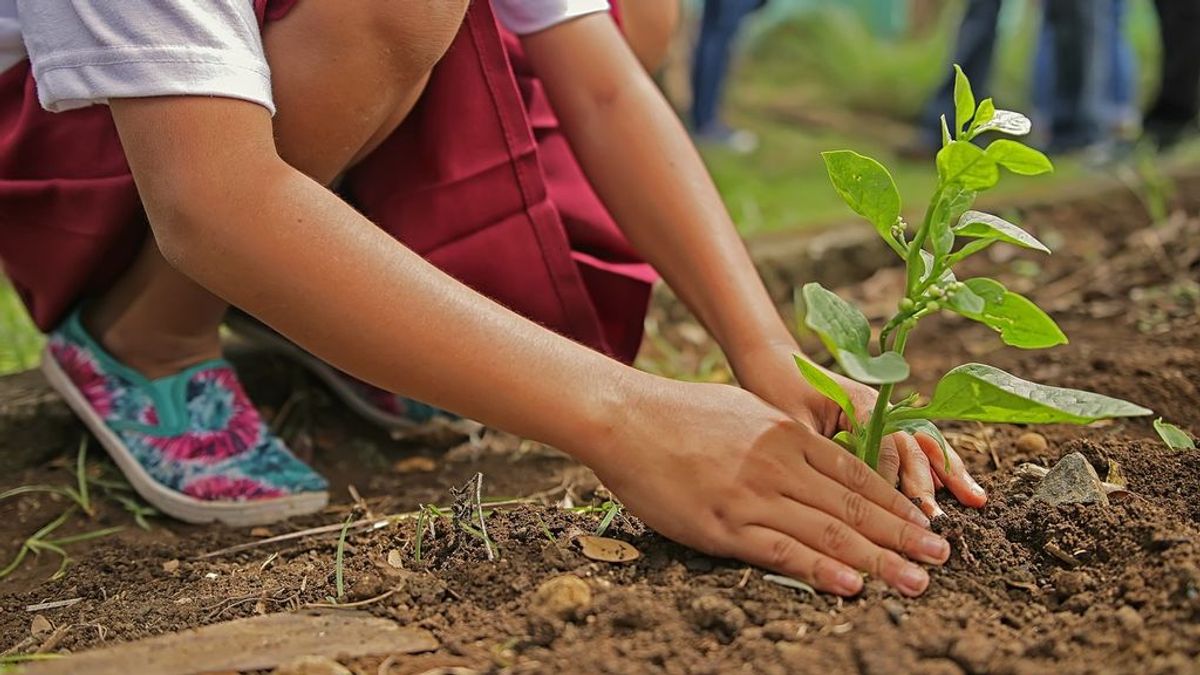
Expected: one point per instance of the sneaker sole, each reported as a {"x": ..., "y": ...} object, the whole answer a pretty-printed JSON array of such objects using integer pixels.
[{"x": 173, "y": 503}]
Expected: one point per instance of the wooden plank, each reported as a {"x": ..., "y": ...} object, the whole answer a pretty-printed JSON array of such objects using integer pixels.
[{"x": 257, "y": 643}]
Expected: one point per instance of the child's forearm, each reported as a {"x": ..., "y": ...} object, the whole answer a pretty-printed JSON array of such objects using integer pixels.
[
  {"x": 645, "y": 168},
  {"x": 261, "y": 235}
]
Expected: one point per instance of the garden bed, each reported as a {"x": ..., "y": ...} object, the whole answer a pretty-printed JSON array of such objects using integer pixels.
[{"x": 1029, "y": 587}]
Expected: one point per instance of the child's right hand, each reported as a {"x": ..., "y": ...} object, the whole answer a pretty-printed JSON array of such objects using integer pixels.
[{"x": 716, "y": 468}]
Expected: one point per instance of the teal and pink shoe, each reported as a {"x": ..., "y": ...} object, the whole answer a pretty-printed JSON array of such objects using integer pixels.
[
  {"x": 393, "y": 412},
  {"x": 191, "y": 444}
]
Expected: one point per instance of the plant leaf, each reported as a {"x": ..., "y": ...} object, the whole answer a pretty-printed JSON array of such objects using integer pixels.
[
  {"x": 968, "y": 166},
  {"x": 980, "y": 225},
  {"x": 822, "y": 382},
  {"x": 1005, "y": 122},
  {"x": 866, "y": 187},
  {"x": 846, "y": 334},
  {"x": 952, "y": 202},
  {"x": 1173, "y": 436},
  {"x": 983, "y": 114},
  {"x": 1020, "y": 322},
  {"x": 1019, "y": 158},
  {"x": 964, "y": 100},
  {"x": 926, "y": 427},
  {"x": 946, "y": 137},
  {"x": 975, "y": 392}
]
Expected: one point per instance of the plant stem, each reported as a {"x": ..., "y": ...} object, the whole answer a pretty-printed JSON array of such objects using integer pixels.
[{"x": 875, "y": 425}]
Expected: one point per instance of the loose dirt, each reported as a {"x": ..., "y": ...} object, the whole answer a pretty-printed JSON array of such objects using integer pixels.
[{"x": 1030, "y": 588}]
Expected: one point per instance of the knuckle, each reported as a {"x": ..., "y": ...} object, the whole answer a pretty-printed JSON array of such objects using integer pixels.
[
  {"x": 906, "y": 538},
  {"x": 856, "y": 473},
  {"x": 855, "y": 509},
  {"x": 835, "y": 537},
  {"x": 783, "y": 553}
]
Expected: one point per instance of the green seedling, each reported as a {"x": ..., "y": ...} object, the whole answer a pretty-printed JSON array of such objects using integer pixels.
[
  {"x": 339, "y": 558},
  {"x": 949, "y": 233},
  {"x": 40, "y": 542},
  {"x": 611, "y": 510},
  {"x": 1173, "y": 436}
]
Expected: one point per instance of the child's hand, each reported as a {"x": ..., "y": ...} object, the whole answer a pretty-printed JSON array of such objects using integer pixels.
[
  {"x": 916, "y": 462},
  {"x": 716, "y": 468}
]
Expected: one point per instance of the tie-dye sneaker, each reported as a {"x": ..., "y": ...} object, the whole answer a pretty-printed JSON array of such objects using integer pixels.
[
  {"x": 391, "y": 411},
  {"x": 191, "y": 444}
]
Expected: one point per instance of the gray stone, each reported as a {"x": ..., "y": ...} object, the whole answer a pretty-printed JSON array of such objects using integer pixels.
[{"x": 1072, "y": 481}]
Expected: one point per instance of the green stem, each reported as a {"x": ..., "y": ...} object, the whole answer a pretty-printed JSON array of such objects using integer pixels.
[{"x": 879, "y": 414}]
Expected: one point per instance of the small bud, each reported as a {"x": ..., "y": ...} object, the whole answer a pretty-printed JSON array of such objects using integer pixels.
[
  {"x": 936, "y": 292},
  {"x": 897, "y": 232},
  {"x": 933, "y": 306},
  {"x": 906, "y": 305}
]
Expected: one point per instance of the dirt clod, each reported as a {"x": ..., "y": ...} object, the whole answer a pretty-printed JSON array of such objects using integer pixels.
[
  {"x": 1130, "y": 619},
  {"x": 715, "y": 613},
  {"x": 1071, "y": 481}
]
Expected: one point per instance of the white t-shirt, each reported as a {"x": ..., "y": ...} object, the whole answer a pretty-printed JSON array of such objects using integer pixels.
[{"x": 87, "y": 51}]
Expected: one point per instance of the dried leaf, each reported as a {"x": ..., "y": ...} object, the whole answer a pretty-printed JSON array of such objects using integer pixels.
[
  {"x": 170, "y": 566},
  {"x": 395, "y": 559},
  {"x": 260, "y": 532},
  {"x": 40, "y": 626},
  {"x": 608, "y": 550},
  {"x": 415, "y": 465},
  {"x": 1116, "y": 477}
]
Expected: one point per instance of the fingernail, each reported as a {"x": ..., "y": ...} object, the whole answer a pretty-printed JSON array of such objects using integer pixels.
[
  {"x": 849, "y": 582},
  {"x": 934, "y": 549},
  {"x": 913, "y": 580}
]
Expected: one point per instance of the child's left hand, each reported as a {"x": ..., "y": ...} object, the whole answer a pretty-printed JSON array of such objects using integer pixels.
[{"x": 916, "y": 462}]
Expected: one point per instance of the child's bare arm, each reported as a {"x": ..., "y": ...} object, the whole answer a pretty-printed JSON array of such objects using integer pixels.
[
  {"x": 711, "y": 466},
  {"x": 645, "y": 168}
]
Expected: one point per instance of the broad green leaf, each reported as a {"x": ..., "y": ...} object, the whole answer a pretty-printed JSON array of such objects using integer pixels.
[
  {"x": 1020, "y": 322},
  {"x": 980, "y": 225},
  {"x": 866, "y": 187},
  {"x": 964, "y": 101},
  {"x": 847, "y": 441},
  {"x": 975, "y": 392},
  {"x": 983, "y": 114},
  {"x": 926, "y": 427},
  {"x": 1006, "y": 122},
  {"x": 829, "y": 388},
  {"x": 1173, "y": 436},
  {"x": 1019, "y": 158},
  {"x": 966, "y": 165},
  {"x": 966, "y": 302},
  {"x": 846, "y": 334}
]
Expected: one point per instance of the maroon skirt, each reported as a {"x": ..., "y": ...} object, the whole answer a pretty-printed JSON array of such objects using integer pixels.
[{"x": 479, "y": 180}]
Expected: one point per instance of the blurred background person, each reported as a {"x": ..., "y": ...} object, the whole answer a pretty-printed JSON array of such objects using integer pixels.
[
  {"x": 1177, "y": 105},
  {"x": 974, "y": 50},
  {"x": 720, "y": 24}
]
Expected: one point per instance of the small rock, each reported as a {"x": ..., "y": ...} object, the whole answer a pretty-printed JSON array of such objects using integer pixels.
[
  {"x": 1069, "y": 583},
  {"x": 312, "y": 665},
  {"x": 171, "y": 566},
  {"x": 395, "y": 559},
  {"x": 1071, "y": 481},
  {"x": 1032, "y": 443},
  {"x": 712, "y": 612},
  {"x": 40, "y": 626},
  {"x": 566, "y": 598},
  {"x": 1129, "y": 619},
  {"x": 415, "y": 465},
  {"x": 260, "y": 532}
]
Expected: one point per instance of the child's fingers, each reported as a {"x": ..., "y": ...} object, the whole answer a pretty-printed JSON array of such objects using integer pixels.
[
  {"x": 916, "y": 476},
  {"x": 956, "y": 479}
]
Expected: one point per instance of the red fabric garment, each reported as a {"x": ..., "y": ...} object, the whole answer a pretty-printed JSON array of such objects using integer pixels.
[{"x": 479, "y": 180}]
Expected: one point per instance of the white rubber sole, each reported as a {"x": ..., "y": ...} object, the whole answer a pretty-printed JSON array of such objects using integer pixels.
[{"x": 168, "y": 501}]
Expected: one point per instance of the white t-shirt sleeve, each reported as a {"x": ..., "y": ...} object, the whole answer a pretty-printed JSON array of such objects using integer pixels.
[
  {"x": 530, "y": 16},
  {"x": 88, "y": 51}
]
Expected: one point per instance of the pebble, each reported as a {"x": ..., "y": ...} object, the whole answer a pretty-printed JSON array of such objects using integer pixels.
[
  {"x": 1032, "y": 442},
  {"x": 312, "y": 665},
  {"x": 566, "y": 598},
  {"x": 1071, "y": 481},
  {"x": 895, "y": 610},
  {"x": 781, "y": 631}
]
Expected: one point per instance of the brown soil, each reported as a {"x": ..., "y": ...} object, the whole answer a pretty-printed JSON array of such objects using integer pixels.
[{"x": 1029, "y": 588}]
